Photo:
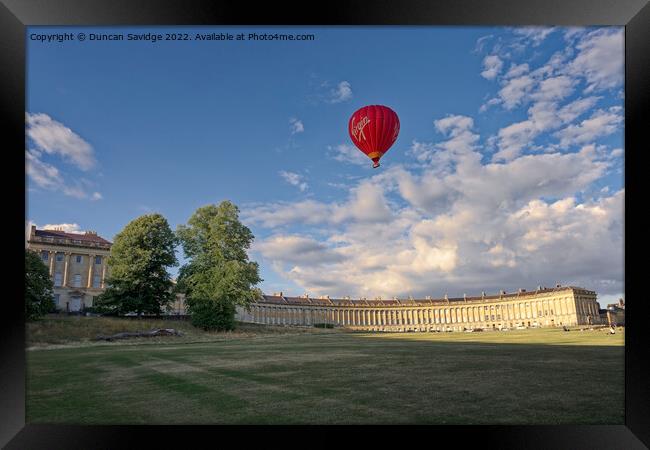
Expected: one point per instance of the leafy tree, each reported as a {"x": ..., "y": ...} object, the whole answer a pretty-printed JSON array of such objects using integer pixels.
[
  {"x": 39, "y": 291},
  {"x": 138, "y": 281},
  {"x": 218, "y": 276}
]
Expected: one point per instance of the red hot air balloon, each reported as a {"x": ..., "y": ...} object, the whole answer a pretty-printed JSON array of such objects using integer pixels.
[{"x": 373, "y": 129}]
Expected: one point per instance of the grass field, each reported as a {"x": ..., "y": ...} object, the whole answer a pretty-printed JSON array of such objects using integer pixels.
[{"x": 267, "y": 375}]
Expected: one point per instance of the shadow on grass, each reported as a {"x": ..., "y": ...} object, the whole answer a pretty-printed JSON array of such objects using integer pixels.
[{"x": 333, "y": 379}]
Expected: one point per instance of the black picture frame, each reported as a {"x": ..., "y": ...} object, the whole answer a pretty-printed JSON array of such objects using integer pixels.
[{"x": 15, "y": 15}]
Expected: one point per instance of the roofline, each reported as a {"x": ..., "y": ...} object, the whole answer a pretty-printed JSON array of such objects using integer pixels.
[{"x": 418, "y": 302}]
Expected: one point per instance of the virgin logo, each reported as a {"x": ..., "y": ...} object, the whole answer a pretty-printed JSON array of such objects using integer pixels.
[{"x": 357, "y": 130}]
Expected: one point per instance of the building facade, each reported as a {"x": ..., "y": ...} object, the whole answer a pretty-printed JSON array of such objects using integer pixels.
[
  {"x": 615, "y": 314},
  {"x": 77, "y": 263},
  {"x": 545, "y": 307}
]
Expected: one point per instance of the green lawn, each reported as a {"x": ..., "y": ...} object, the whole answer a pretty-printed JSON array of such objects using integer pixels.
[{"x": 264, "y": 375}]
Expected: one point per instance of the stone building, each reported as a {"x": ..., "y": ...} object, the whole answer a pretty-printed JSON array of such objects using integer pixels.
[
  {"x": 544, "y": 307},
  {"x": 77, "y": 264},
  {"x": 615, "y": 313}
]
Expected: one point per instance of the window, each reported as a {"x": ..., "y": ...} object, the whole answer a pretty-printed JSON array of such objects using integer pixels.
[
  {"x": 80, "y": 258},
  {"x": 59, "y": 257},
  {"x": 57, "y": 297},
  {"x": 487, "y": 317},
  {"x": 96, "y": 281},
  {"x": 77, "y": 280},
  {"x": 58, "y": 279},
  {"x": 45, "y": 255},
  {"x": 98, "y": 259}
]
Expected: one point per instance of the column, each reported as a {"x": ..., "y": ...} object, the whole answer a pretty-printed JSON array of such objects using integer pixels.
[
  {"x": 65, "y": 269},
  {"x": 90, "y": 270},
  {"x": 103, "y": 271},
  {"x": 52, "y": 256}
]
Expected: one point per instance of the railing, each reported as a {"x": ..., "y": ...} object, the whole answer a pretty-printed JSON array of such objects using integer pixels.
[{"x": 75, "y": 242}]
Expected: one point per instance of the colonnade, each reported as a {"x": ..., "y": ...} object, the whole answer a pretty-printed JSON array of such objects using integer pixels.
[{"x": 536, "y": 312}]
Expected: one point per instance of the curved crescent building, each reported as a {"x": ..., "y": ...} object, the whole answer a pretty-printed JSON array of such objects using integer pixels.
[{"x": 544, "y": 307}]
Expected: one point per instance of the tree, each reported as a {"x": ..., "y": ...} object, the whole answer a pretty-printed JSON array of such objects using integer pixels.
[
  {"x": 138, "y": 281},
  {"x": 218, "y": 276},
  {"x": 39, "y": 291}
]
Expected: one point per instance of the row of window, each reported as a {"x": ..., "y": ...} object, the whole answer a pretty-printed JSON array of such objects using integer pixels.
[
  {"x": 59, "y": 257},
  {"x": 76, "y": 280}
]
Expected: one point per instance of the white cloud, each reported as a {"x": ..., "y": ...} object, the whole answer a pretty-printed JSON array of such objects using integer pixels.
[
  {"x": 616, "y": 153},
  {"x": 48, "y": 177},
  {"x": 341, "y": 93},
  {"x": 600, "y": 59},
  {"x": 533, "y": 35},
  {"x": 296, "y": 126},
  {"x": 366, "y": 204},
  {"x": 492, "y": 65},
  {"x": 44, "y": 175},
  {"x": 468, "y": 228},
  {"x": 554, "y": 88},
  {"x": 449, "y": 223},
  {"x": 517, "y": 70},
  {"x": 513, "y": 138},
  {"x": 515, "y": 91},
  {"x": 576, "y": 108},
  {"x": 295, "y": 179},
  {"x": 53, "y": 137},
  {"x": 67, "y": 227},
  {"x": 348, "y": 154},
  {"x": 601, "y": 123},
  {"x": 294, "y": 249}
]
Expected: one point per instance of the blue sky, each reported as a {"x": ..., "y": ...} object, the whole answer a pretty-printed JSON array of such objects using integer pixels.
[{"x": 507, "y": 171}]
